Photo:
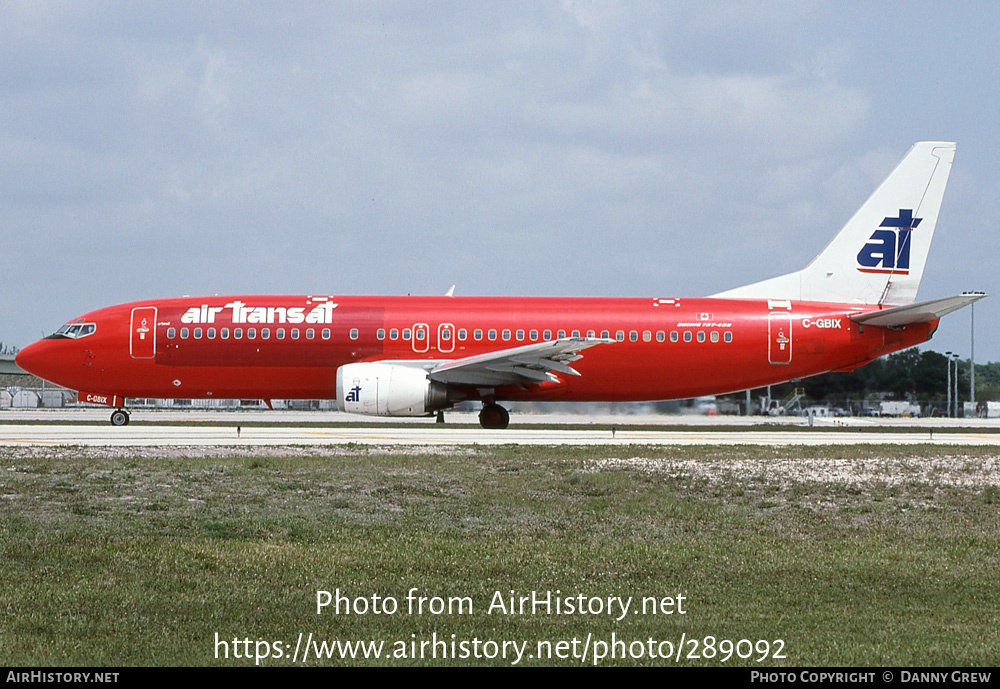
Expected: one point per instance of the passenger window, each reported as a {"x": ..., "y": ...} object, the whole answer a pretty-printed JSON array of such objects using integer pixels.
[
  {"x": 687, "y": 336},
  {"x": 171, "y": 333},
  {"x": 265, "y": 333},
  {"x": 354, "y": 334},
  {"x": 224, "y": 333},
  {"x": 506, "y": 334},
  {"x": 184, "y": 333},
  {"x": 701, "y": 336},
  {"x": 394, "y": 334},
  {"x": 728, "y": 337},
  {"x": 533, "y": 335},
  {"x": 477, "y": 335},
  {"x": 406, "y": 333},
  {"x": 519, "y": 335},
  {"x": 492, "y": 334},
  {"x": 310, "y": 333},
  {"x": 197, "y": 333},
  {"x": 251, "y": 333},
  {"x": 211, "y": 333},
  {"x": 463, "y": 334},
  {"x": 633, "y": 336},
  {"x": 295, "y": 333},
  {"x": 591, "y": 333},
  {"x": 715, "y": 336},
  {"x": 647, "y": 336},
  {"x": 561, "y": 334},
  {"x": 326, "y": 333},
  {"x": 606, "y": 334},
  {"x": 674, "y": 336},
  {"x": 547, "y": 335},
  {"x": 620, "y": 335},
  {"x": 237, "y": 333},
  {"x": 660, "y": 336}
]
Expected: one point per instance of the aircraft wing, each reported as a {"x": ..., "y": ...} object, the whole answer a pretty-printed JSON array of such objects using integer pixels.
[
  {"x": 533, "y": 363},
  {"x": 924, "y": 312}
]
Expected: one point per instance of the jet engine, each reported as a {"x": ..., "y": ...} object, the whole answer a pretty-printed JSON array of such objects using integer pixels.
[{"x": 383, "y": 389}]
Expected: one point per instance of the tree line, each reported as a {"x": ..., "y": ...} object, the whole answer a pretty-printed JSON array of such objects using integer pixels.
[{"x": 912, "y": 374}]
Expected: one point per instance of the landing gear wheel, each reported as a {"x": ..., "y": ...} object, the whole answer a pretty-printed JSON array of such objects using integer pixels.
[
  {"x": 494, "y": 416},
  {"x": 119, "y": 417}
]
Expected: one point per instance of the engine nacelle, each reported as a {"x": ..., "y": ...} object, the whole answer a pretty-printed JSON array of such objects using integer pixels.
[{"x": 388, "y": 390}]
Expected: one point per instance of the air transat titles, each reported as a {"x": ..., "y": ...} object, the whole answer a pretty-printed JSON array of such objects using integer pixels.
[{"x": 244, "y": 313}]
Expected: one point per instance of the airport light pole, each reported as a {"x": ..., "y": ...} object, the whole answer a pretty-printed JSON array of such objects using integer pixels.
[
  {"x": 955, "y": 357},
  {"x": 947, "y": 362},
  {"x": 972, "y": 354}
]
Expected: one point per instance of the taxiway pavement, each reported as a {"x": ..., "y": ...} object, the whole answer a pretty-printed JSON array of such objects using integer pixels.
[{"x": 450, "y": 434}]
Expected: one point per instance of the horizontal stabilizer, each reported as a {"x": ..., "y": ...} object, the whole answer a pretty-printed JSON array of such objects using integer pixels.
[{"x": 924, "y": 312}]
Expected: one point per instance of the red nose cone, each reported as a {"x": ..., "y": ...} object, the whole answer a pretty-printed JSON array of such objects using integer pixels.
[
  {"x": 44, "y": 359},
  {"x": 30, "y": 358},
  {"x": 51, "y": 360}
]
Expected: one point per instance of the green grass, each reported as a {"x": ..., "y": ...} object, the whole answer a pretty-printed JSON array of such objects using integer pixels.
[{"x": 140, "y": 559}]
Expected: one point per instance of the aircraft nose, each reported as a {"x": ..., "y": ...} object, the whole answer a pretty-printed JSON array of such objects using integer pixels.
[{"x": 32, "y": 359}]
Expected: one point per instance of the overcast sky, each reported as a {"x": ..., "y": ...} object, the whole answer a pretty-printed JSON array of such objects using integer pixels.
[{"x": 537, "y": 148}]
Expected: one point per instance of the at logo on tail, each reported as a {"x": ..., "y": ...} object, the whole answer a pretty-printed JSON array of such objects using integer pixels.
[{"x": 888, "y": 251}]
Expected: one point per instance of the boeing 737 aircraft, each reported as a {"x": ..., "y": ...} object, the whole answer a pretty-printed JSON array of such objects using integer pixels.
[{"x": 415, "y": 356}]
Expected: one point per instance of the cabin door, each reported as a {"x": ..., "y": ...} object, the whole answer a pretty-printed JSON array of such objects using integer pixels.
[
  {"x": 779, "y": 330},
  {"x": 142, "y": 344}
]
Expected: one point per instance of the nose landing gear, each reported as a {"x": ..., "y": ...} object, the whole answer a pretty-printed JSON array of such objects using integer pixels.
[{"x": 119, "y": 417}]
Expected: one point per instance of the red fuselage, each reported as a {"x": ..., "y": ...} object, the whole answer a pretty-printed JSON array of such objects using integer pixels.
[{"x": 290, "y": 347}]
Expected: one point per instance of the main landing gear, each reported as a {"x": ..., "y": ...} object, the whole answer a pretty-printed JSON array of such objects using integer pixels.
[
  {"x": 494, "y": 416},
  {"x": 119, "y": 417}
]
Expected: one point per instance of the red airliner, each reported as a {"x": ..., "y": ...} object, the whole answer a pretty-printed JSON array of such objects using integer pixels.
[{"x": 416, "y": 356}]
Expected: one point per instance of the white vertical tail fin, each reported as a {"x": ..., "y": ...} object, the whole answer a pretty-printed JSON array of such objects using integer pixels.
[{"x": 878, "y": 257}]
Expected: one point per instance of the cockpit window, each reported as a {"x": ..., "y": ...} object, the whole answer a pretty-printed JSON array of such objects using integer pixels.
[{"x": 74, "y": 331}]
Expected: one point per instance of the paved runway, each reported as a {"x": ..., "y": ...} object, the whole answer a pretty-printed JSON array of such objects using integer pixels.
[
  {"x": 90, "y": 427},
  {"x": 434, "y": 434}
]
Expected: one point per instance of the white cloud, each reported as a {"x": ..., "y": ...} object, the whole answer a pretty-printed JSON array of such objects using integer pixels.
[{"x": 387, "y": 145}]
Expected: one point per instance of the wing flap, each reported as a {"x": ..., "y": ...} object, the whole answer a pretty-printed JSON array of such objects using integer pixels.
[{"x": 534, "y": 363}]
